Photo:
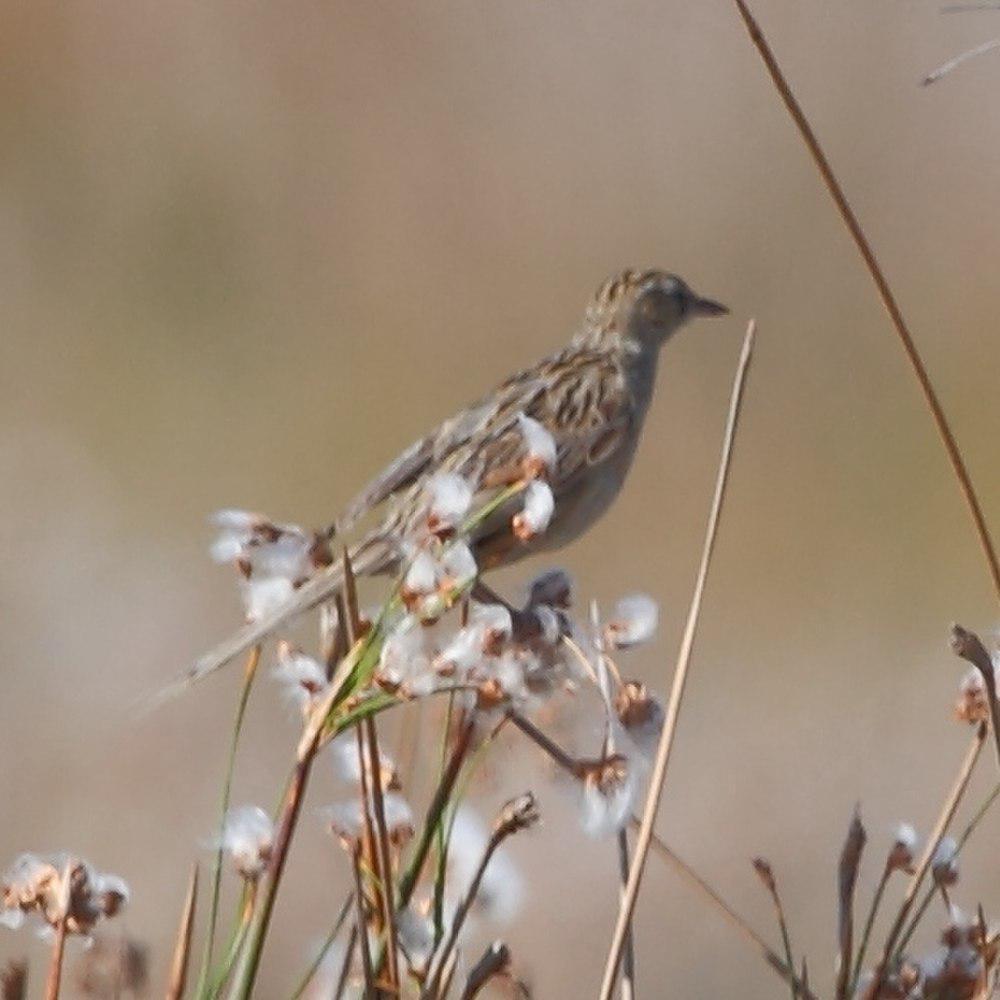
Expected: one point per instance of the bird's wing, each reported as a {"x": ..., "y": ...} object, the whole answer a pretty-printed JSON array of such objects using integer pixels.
[
  {"x": 422, "y": 455},
  {"x": 579, "y": 395}
]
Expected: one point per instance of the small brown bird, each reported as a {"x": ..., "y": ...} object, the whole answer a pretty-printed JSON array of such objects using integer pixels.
[{"x": 591, "y": 397}]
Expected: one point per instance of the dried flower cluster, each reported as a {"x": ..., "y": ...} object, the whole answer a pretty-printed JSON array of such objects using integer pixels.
[{"x": 57, "y": 889}]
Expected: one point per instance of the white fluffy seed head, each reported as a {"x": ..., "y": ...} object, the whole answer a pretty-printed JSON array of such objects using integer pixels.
[
  {"x": 459, "y": 564},
  {"x": 634, "y": 622},
  {"x": 451, "y": 497},
  {"x": 262, "y": 595},
  {"x": 539, "y": 444},
  {"x": 422, "y": 576},
  {"x": 537, "y": 512},
  {"x": 248, "y": 838},
  {"x": 608, "y": 795}
]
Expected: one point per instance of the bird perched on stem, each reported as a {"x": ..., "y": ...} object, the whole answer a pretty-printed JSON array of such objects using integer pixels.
[{"x": 588, "y": 401}]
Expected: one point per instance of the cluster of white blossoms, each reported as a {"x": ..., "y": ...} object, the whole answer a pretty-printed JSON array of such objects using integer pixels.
[
  {"x": 35, "y": 888},
  {"x": 273, "y": 560}
]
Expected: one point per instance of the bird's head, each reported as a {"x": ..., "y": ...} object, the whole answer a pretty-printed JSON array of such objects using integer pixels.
[{"x": 646, "y": 307}]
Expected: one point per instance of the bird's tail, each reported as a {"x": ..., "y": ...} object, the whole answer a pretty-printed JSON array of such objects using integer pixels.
[{"x": 368, "y": 558}]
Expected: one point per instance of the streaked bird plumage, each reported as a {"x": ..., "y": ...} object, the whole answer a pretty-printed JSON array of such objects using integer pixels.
[{"x": 592, "y": 397}]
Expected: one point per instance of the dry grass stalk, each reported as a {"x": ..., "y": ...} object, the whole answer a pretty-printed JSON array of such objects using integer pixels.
[
  {"x": 659, "y": 775},
  {"x": 182, "y": 950},
  {"x": 850, "y": 867},
  {"x": 853, "y": 225}
]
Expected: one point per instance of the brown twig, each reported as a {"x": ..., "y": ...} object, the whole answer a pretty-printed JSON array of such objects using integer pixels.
[
  {"x": 495, "y": 962},
  {"x": 882, "y": 285},
  {"x": 59, "y": 941},
  {"x": 182, "y": 950},
  {"x": 659, "y": 775},
  {"x": 850, "y": 866},
  {"x": 969, "y": 647},
  {"x": 947, "y": 814}
]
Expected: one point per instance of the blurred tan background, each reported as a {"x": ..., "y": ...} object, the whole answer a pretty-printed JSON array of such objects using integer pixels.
[{"x": 248, "y": 251}]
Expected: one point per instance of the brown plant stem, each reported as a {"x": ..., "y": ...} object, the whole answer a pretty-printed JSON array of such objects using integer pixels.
[
  {"x": 850, "y": 866},
  {"x": 659, "y": 775},
  {"x": 59, "y": 941},
  {"x": 362, "y": 926},
  {"x": 384, "y": 857},
  {"x": 969, "y": 647},
  {"x": 495, "y": 962},
  {"x": 442, "y": 794},
  {"x": 882, "y": 285},
  {"x": 182, "y": 950}
]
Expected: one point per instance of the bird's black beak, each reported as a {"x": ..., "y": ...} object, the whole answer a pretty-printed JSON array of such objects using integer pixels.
[{"x": 707, "y": 307}]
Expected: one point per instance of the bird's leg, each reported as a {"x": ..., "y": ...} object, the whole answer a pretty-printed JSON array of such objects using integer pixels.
[{"x": 525, "y": 624}]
